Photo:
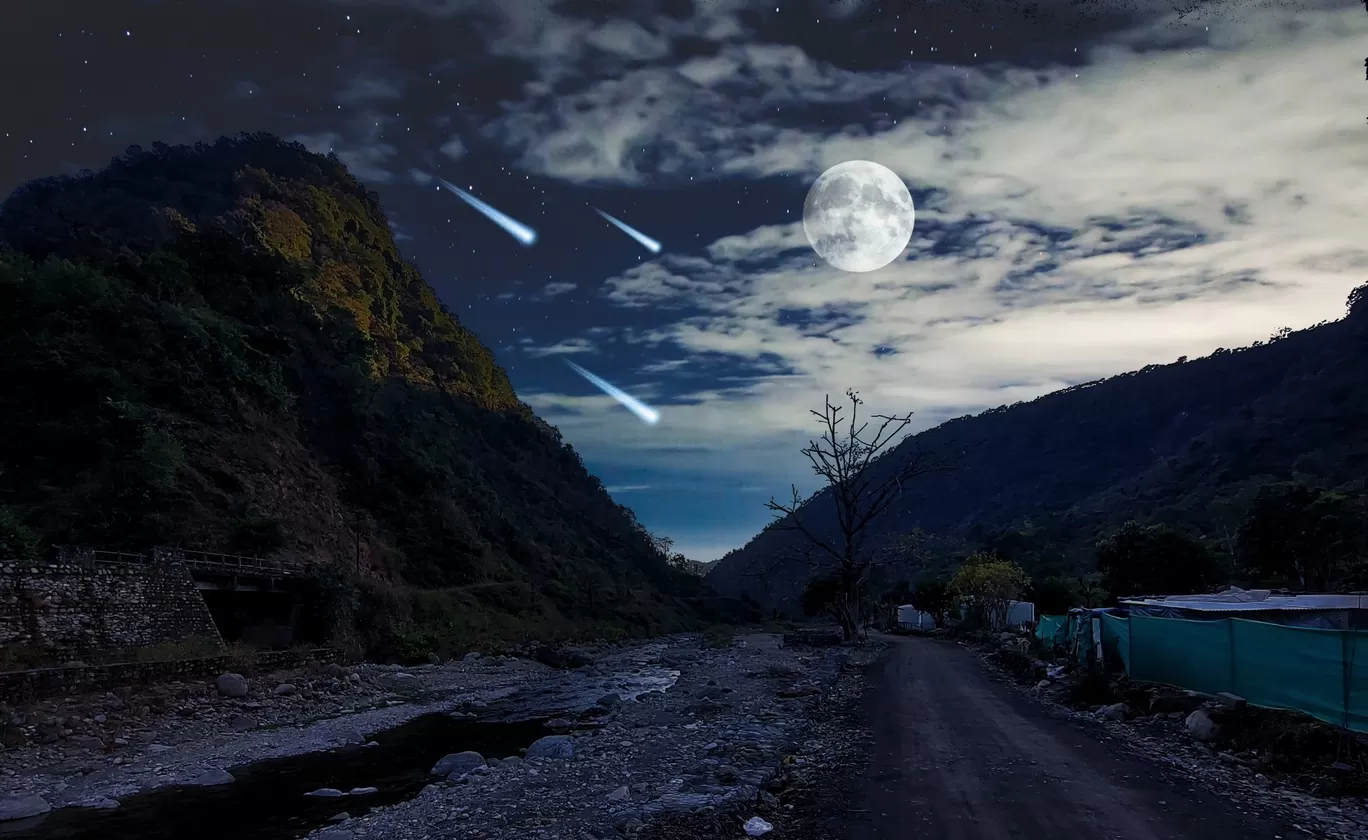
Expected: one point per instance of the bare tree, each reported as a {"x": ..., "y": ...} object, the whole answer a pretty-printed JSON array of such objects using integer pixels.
[{"x": 844, "y": 457}]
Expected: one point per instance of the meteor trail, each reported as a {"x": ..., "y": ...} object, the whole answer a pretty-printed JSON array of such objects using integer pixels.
[
  {"x": 640, "y": 409},
  {"x": 516, "y": 229},
  {"x": 646, "y": 241}
]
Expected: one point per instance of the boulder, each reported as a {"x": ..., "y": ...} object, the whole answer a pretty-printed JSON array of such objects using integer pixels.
[
  {"x": 284, "y": 689},
  {"x": 552, "y": 746},
  {"x": 326, "y": 793},
  {"x": 609, "y": 700},
  {"x": 1169, "y": 702},
  {"x": 231, "y": 685},
  {"x": 22, "y": 807},
  {"x": 1200, "y": 726},
  {"x": 1116, "y": 711},
  {"x": 1231, "y": 701},
  {"x": 213, "y": 778},
  {"x": 457, "y": 764}
]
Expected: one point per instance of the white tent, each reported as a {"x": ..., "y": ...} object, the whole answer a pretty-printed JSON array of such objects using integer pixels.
[
  {"x": 1019, "y": 613},
  {"x": 911, "y": 618}
]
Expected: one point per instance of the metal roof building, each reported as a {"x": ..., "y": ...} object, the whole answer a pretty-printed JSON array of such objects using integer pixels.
[{"x": 1326, "y": 611}]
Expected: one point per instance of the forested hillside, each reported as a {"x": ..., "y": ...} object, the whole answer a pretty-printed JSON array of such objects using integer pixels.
[
  {"x": 1186, "y": 445},
  {"x": 221, "y": 347}
]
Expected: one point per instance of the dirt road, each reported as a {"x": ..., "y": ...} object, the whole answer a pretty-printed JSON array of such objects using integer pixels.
[{"x": 961, "y": 756}]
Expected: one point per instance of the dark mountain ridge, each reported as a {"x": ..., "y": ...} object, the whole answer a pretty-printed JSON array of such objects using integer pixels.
[
  {"x": 221, "y": 347},
  {"x": 1181, "y": 444}
]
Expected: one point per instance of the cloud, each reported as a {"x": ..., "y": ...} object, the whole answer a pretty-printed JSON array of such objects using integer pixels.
[
  {"x": 1160, "y": 203},
  {"x": 364, "y": 151},
  {"x": 567, "y": 347},
  {"x": 551, "y": 290},
  {"x": 453, "y": 148},
  {"x": 627, "y": 488},
  {"x": 369, "y": 88}
]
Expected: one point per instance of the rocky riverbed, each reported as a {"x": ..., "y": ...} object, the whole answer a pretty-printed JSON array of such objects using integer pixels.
[{"x": 640, "y": 731}]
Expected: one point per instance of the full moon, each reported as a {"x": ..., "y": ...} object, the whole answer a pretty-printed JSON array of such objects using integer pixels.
[{"x": 858, "y": 216}]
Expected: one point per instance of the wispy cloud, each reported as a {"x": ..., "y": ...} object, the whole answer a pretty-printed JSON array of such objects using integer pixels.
[
  {"x": 568, "y": 347},
  {"x": 1076, "y": 222},
  {"x": 551, "y": 290}
]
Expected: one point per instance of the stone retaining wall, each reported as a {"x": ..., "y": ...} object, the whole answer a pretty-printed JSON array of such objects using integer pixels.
[
  {"x": 90, "y": 610},
  {"x": 18, "y": 687}
]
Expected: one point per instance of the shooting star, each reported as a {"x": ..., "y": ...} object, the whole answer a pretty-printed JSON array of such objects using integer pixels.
[
  {"x": 647, "y": 242},
  {"x": 515, "y": 228},
  {"x": 647, "y": 414}
]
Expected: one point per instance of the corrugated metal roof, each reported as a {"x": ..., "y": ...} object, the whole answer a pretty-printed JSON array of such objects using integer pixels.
[{"x": 1253, "y": 601}]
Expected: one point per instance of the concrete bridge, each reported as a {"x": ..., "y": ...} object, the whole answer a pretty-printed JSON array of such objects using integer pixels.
[{"x": 211, "y": 570}]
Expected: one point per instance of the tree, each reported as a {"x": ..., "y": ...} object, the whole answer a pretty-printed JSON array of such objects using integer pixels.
[
  {"x": 988, "y": 586},
  {"x": 1307, "y": 537},
  {"x": 1052, "y": 596},
  {"x": 824, "y": 595},
  {"x": 845, "y": 459},
  {"x": 1155, "y": 560},
  {"x": 933, "y": 598}
]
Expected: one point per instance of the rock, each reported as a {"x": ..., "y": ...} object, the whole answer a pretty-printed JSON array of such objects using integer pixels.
[
  {"x": 284, "y": 689},
  {"x": 434, "y": 659},
  {"x": 755, "y": 826},
  {"x": 334, "y": 834},
  {"x": 231, "y": 685},
  {"x": 212, "y": 778},
  {"x": 157, "y": 748},
  {"x": 622, "y": 794},
  {"x": 241, "y": 723},
  {"x": 512, "y": 759},
  {"x": 457, "y": 764},
  {"x": 1116, "y": 711},
  {"x": 609, "y": 700},
  {"x": 1231, "y": 701},
  {"x": 22, "y": 807},
  {"x": 87, "y": 742},
  {"x": 1200, "y": 726},
  {"x": 363, "y": 791},
  {"x": 103, "y": 803},
  {"x": 470, "y": 657},
  {"x": 552, "y": 746},
  {"x": 1043, "y": 684},
  {"x": 1170, "y": 702},
  {"x": 340, "y": 816},
  {"x": 798, "y": 691},
  {"x": 558, "y": 724},
  {"x": 326, "y": 793},
  {"x": 351, "y": 736}
]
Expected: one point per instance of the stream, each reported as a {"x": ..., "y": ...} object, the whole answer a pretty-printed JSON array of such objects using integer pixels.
[{"x": 268, "y": 802}]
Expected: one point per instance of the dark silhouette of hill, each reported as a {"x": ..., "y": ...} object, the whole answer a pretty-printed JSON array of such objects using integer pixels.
[
  {"x": 1184, "y": 444},
  {"x": 221, "y": 347}
]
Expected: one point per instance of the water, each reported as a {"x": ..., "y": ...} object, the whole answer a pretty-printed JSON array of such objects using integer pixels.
[{"x": 267, "y": 801}]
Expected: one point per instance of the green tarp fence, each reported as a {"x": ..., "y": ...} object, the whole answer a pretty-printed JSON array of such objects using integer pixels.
[
  {"x": 1116, "y": 640},
  {"x": 1322, "y": 673},
  {"x": 1052, "y": 630}
]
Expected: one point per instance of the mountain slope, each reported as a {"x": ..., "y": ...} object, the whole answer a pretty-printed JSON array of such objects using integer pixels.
[
  {"x": 221, "y": 347},
  {"x": 1181, "y": 443}
]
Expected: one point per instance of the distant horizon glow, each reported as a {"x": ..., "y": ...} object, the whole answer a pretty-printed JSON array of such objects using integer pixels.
[
  {"x": 513, "y": 227},
  {"x": 647, "y": 414}
]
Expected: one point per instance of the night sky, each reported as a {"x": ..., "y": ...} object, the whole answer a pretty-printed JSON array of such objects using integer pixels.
[{"x": 1099, "y": 186}]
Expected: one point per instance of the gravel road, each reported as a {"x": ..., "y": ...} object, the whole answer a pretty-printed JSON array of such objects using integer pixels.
[{"x": 961, "y": 756}]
